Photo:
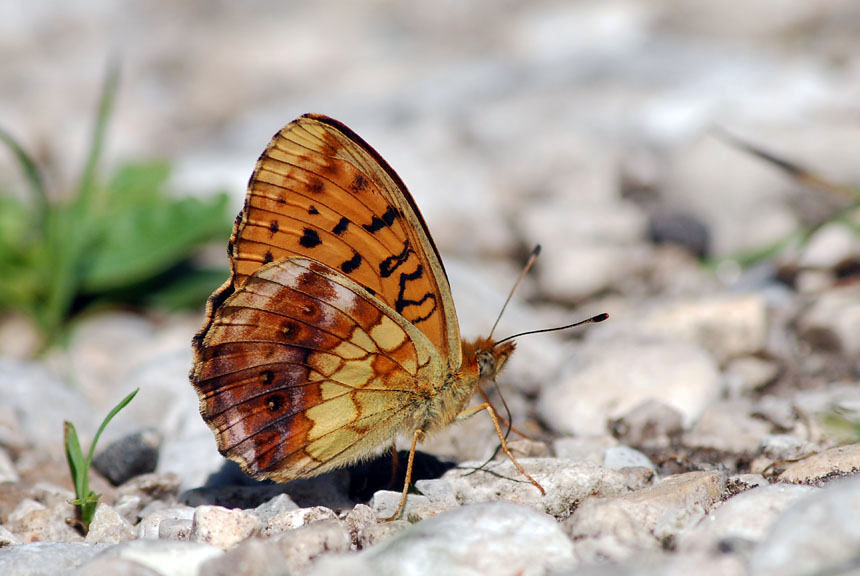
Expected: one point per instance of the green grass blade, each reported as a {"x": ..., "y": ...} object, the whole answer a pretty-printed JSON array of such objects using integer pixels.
[
  {"x": 71, "y": 230},
  {"x": 88, "y": 178},
  {"x": 75, "y": 457},
  {"x": 107, "y": 419},
  {"x": 31, "y": 171}
]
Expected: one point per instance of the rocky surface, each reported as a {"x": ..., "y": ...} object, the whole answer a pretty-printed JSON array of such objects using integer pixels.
[{"x": 711, "y": 426}]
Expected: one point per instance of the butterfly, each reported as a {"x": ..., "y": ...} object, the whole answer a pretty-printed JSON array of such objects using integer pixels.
[{"x": 336, "y": 331}]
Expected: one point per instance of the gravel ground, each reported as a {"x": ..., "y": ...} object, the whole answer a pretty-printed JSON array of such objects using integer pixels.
[{"x": 709, "y": 425}]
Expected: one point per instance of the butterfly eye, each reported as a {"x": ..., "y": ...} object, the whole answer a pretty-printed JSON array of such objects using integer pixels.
[{"x": 486, "y": 364}]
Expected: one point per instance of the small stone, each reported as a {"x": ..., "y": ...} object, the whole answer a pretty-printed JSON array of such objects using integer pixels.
[
  {"x": 437, "y": 491},
  {"x": 150, "y": 526},
  {"x": 682, "y": 229},
  {"x": 111, "y": 565},
  {"x": 165, "y": 556},
  {"x": 175, "y": 529},
  {"x": 7, "y": 468},
  {"x": 567, "y": 483},
  {"x": 253, "y": 557},
  {"x": 744, "y": 482},
  {"x": 813, "y": 282},
  {"x": 819, "y": 534},
  {"x": 357, "y": 519},
  {"x": 607, "y": 379},
  {"x": 726, "y": 326},
  {"x": 108, "y": 526},
  {"x": 650, "y": 424},
  {"x": 150, "y": 487},
  {"x": 746, "y": 517},
  {"x": 486, "y": 538},
  {"x": 777, "y": 410},
  {"x": 277, "y": 505},
  {"x": 832, "y": 323},
  {"x": 24, "y": 508},
  {"x": 45, "y": 558},
  {"x": 373, "y": 534},
  {"x": 579, "y": 261},
  {"x": 300, "y": 547},
  {"x": 590, "y": 448},
  {"x": 828, "y": 246},
  {"x": 222, "y": 527},
  {"x": 727, "y": 426},
  {"x": 638, "y": 477},
  {"x": 7, "y": 538},
  {"x": 524, "y": 448},
  {"x": 737, "y": 197},
  {"x": 824, "y": 466},
  {"x": 129, "y": 506},
  {"x": 784, "y": 447},
  {"x": 619, "y": 457},
  {"x": 11, "y": 496},
  {"x": 24, "y": 387},
  {"x": 749, "y": 373},
  {"x": 619, "y": 528},
  {"x": 129, "y": 456},
  {"x": 292, "y": 519},
  {"x": 34, "y": 522},
  {"x": 385, "y": 502},
  {"x": 51, "y": 495}
]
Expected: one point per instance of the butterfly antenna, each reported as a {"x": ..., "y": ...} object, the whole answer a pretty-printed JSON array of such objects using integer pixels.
[
  {"x": 592, "y": 320},
  {"x": 531, "y": 261}
]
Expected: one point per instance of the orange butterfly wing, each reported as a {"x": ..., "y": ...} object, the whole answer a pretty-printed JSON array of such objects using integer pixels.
[
  {"x": 303, "y": 371},
  {"x": 336, "y": 330},
  {"x": 322, "y": 192}
]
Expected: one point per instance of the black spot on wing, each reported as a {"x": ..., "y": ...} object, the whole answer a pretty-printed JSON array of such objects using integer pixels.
[
  {"x": 341, "y": 226},
  {"x": 378, "y": 223},
  {"x": 275, "y": 402},
  {"x": 273, "y": 227},
  {"x": 312, "y": 210},
  {"x": 359, "y": 183},
  {"x": 390, "y": 216},
  {"x": 401, "y": 302},
  {"x": 267, "y": 377},
  {"x": 310, "y": 238},
  {"x": 315, "y": 185},
  {"x": 290, "y": 329},
  {"x": 393, "y": 262},
  {"x": 268, "y": 257},
  {"x": 350, "y": 265}
]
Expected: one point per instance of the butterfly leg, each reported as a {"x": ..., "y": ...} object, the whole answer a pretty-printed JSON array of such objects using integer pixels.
[
  {"x": 502, "y": 420},
  {"x": 486, "y": 406},
  {"x": 419, "y": 434}
]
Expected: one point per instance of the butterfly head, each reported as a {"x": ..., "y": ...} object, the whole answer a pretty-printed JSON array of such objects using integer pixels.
[{"x": 488, "y": 357}]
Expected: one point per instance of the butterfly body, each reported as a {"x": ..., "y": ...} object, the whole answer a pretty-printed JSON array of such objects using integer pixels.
[{"x": 336, "y": 330}]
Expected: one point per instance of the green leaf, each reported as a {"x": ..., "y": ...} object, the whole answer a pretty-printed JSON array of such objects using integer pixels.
[
  {"x": 188, "y": 290},
  {"x": 134, "y": 185},
  {"x": 146, "y": 241}
]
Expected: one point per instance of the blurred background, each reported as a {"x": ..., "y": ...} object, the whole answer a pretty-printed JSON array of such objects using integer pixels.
[{"x": 594, "y": 127}]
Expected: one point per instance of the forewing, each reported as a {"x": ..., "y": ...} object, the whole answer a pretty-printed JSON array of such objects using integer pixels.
[
  {"x": 321, "y": 192},
  {"x": 303, "y": 371}
]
